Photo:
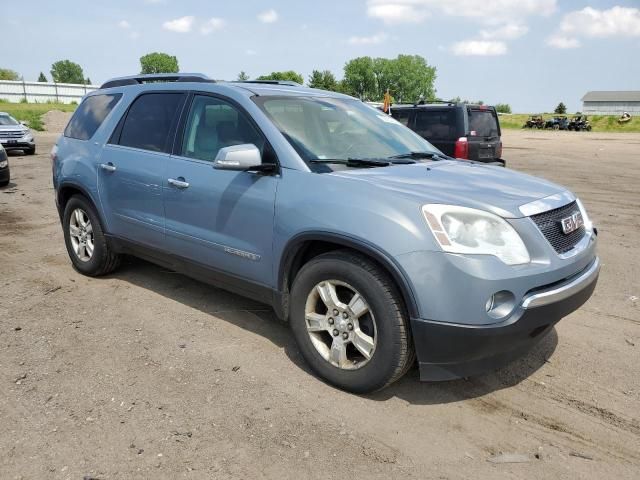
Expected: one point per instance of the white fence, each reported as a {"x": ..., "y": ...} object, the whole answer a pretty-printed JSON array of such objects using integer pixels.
[{"x": 41, "y": 92}]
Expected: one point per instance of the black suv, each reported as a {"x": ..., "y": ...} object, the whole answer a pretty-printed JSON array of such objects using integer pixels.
[{"x": 471, "y": 132}]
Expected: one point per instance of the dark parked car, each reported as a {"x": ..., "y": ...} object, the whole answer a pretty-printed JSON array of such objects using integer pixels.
[
  {"x": 5, "y": 176},
  {"x": 470, "y": 132}
]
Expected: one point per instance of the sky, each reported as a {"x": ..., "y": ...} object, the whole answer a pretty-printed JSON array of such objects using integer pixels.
[{"x": 531, "y": 54}]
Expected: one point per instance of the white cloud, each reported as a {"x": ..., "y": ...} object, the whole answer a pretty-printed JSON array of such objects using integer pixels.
[
  {"x": 479, "y": 47},
  {"x": 376, "y": 39},
  {"x": 250, "y": 52},
  {"x": 212, "y": 25},
  {"x": 590, "y": 22},
  {"x": 124, "y": 24},
  {"x": 490, "y": 11},
  {"x": 508, "y": 31},
  {"x": 396, "y": 12},
  {"x": 617, "y": 21},
  {"x": 179, "y": 25},
  {"x": 268, "y": 16},
  {"x": 559, "y": 41}
]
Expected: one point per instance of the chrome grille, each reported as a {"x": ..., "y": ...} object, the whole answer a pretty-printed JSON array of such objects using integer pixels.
[
  {"x": 12, "y": 133},
  {"x": 550, "y": 224}
]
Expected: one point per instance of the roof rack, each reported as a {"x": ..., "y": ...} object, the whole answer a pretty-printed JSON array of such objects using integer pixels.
[
  {"x": 157, "y": 77},
  {"x": 272, "y": 82}
]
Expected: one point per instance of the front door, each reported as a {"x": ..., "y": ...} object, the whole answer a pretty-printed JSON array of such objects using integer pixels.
[
  {"x": 219, "y": 219},
  {"x": 132, "y": 169}
]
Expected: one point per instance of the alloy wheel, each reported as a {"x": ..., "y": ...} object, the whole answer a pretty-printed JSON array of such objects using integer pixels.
[{"x": 340, "y": 324}]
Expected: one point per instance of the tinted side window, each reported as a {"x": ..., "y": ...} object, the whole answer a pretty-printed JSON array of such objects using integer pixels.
[
  {"x": 436, "y": 124},
  {"x": 402, "y": 116},
  {"x": 214, "y": 124},
  {"x": 149, "y": 121},
  {"x": 90, "y": 115}
]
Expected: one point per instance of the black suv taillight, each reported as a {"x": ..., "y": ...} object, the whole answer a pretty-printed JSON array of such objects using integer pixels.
[{"x": 462, "y": 148}]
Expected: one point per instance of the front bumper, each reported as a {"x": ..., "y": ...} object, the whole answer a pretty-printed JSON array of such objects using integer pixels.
[
  {"x": 447, "y": 351},
  {"x": 17, "y": 145}
]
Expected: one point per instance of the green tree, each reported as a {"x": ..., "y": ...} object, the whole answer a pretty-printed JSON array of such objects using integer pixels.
[
  {"x": 406, "y": 77},
  {"x": 324, "y": 80},
  {"x": 158, "y": 62},
  {"x": 42, "y": 78},
  {"x": 288, "y": 75},
  {"x": 561, "y": 109},
  {"x": 503, "y": 108},
  {"x": 6, "y": 74},
  {"x": 66, "y": 71},
  {"x": 360, "y": 79},
  {"x": 243, "y": 76}
]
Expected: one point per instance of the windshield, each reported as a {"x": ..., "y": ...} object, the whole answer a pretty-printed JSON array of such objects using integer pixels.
[
  {"x": 8, "y": 120},
  {"x": 483, "y": 123},
  {"x": 325, "y": 128}
]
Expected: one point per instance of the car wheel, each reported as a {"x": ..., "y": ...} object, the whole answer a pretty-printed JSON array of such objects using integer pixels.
[
  {"x": 350, "y": 323},
  {"x": 4, "y": 183},
  {"x": 30, "y": 151},
  {"x": 85, "y": 241}
]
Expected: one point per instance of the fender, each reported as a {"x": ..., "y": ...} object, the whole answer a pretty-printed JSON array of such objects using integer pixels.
[
  {"x": 293, "y": 246},
  {"x": 76, "y": 186}
]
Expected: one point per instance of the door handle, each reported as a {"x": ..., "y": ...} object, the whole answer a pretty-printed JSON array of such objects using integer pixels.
[
  {"x": 178, "y": 183},
  {"x": 109, "y": 167}
]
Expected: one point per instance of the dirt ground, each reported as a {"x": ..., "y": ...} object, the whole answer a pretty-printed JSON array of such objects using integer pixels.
[{"x": 147, "y": 374}]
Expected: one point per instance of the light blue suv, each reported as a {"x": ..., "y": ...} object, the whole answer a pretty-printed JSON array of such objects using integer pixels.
[{"x": 371, "y": 243}]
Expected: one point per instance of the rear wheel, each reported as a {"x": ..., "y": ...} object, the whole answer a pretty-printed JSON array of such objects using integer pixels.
[
  {"x": 350, "y": 323},
  {"x": 85, "y": 241}
]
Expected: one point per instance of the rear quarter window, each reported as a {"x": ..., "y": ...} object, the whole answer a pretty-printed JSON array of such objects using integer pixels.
[{"x": 90, "y": 114}]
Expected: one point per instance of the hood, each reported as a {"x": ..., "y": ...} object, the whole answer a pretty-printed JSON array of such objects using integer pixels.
[
  {"x": 495, "y": 189},
  {"x": 14, "y": 128}
]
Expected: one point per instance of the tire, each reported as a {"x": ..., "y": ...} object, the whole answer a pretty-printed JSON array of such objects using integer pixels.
[
  {"x": 385, "y": 322},
  {"x": 101, "y": 260},
  {"x": 31, "y": 151}
]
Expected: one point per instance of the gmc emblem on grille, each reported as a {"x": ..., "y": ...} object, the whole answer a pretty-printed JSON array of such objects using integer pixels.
[{"x": 572, "y": 223}]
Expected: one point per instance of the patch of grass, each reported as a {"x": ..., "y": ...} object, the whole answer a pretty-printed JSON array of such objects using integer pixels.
[
  {"x": 31, "y": 113},
  {"x": 599, "y": 123}
]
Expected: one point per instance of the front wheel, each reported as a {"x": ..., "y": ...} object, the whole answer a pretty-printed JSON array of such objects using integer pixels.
[
  {"x": 350, "y": 323},
  {"x": 30, "y": 151}
]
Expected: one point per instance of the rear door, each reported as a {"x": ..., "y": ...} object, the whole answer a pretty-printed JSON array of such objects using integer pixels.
[
  {"x": 133, "y": 167},
  {"x": 439, "y": 126},
  {"x": 483, "y": 134}
]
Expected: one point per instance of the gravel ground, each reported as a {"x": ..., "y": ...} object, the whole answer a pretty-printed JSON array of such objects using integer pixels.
[{"x": 147, "y": 374}]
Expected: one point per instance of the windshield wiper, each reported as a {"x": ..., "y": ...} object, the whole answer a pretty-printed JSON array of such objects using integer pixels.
[
  {"x": 421, "y": 155},
  {"x": 354, "y": 162}
]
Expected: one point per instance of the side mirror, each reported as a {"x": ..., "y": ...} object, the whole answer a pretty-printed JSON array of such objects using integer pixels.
[
  {"x": 241, "y": 158},
  {"x": 22, "y": 122}
]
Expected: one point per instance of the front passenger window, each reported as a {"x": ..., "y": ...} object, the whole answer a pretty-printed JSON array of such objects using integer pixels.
[{"x": 214, "y": 124}]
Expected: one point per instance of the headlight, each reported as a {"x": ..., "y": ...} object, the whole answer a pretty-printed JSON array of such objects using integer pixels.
[
  {"x": 585, "y": 218},
  {"x": 467, "y": 230},
  {"x": 4, "y": 164},
  {"x": 27, "y": 135}
]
